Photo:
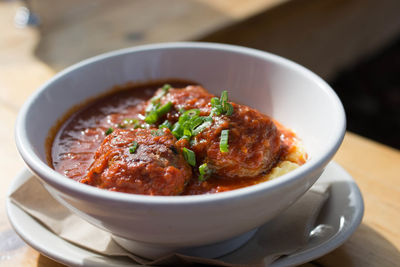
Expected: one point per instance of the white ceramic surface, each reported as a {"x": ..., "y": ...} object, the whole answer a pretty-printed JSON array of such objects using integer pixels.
[
  {"x": 342, "y": 215},
  {"x": 278, "y": 87}
]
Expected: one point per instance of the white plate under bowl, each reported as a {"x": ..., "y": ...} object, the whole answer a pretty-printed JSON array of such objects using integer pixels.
[{"x": 341, "y": 214}]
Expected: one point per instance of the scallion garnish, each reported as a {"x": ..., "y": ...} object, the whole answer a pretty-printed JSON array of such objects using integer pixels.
[
  {"x": 133, "y": 147},
  {"x": 201, "y": 127},
  {"x": 166, "y": 87},
  {"x": 177, "y": 130},
  {"x": 164, "y": 90},
  {"x": 189, "y": 156},
  {"x": 161, "y": 111},
  {"x": 216, "y": 107},
  {"x": 188, "y": 115},
  {"x": 228, "y": 108},
  {"x": 109, "y": 131},
  {"x": 165, "y": 124},
  {"x": 153, "y": 116},
  {"x": 189, "y": 124},
  {"x": 204, "y": 172},
  {"x": 220, "y": 106},
  {"x": 153, "y": 110},
  {"x": 196, "y": 122},
  {"x": 223, "y": 142},
  {"x": 187, "y": 137},
  {"x": 224, "y": 96}
]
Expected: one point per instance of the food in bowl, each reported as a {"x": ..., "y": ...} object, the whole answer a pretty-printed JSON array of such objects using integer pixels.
[
  {"x": 153, "y": 226},
  {"x": 156, "y": 139}
]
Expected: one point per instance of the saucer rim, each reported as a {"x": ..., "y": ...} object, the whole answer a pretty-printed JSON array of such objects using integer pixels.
[{"x": 22, "y": 227}]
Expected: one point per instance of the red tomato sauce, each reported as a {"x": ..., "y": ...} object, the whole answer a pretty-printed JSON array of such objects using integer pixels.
[{"x": 81, "y": 149}]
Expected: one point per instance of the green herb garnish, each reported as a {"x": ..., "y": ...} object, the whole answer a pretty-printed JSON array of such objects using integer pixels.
[
  {"x": 166, "y": 87},
  {"x": 109, "y": 131},
  {"x": 223, "y": 142},
  {"x": 133, "y": 147},
  {"x": 189, "y": 156},
  {"x": 190, "y": 124},
  {"x": 204, "y": 172},
  {"x": 153, "y": 110},
  {"x": 164, "y": 91},
  {"x": 165, "y": 124},
  {"x": 177, "y": 130},
  {"x": 153, "y": 116},
  {"x": 161, "y": 111},
  {"x": 221, "y": 106},
  {"x": 207, "y": 123}
]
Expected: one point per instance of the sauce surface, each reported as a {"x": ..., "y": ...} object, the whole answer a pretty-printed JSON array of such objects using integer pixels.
[{"x": 81, "y": 147}]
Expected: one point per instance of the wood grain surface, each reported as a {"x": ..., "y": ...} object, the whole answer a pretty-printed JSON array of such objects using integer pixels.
[{"x": 30, "y": 56}]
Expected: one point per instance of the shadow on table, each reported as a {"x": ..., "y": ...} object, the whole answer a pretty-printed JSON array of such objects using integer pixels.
[
  {"x": 380, "y": 250},
  {"x": 43, "y": 261}
]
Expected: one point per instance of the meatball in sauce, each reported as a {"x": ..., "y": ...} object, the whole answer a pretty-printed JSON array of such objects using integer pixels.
[
  {"x": 140, "y": 161},
  {"x": 164, "y": 140},
  {"x": 254, "y": 141}
]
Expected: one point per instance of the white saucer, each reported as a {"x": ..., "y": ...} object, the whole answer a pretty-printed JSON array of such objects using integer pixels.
[{"x": 340, "y": 217}]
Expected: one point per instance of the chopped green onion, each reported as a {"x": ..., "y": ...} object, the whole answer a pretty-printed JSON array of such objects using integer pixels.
[
  {"x": 164, "y": 91},
  {"x": 215, "y": 101},
  {"x": 192, "y": 112},
  {"x": 188, "y": 115},
  {"x": 186, "y": 130},
  {"x": 224, "y": 96},
  {"x": 189, "y": 156},
  {"x": 223, "y": 142},
  {"x": 187, "y": 122},
  {"x": 153, "y": 110},
  {"x": 152, "y": 106},
  {"x": 201, "y": 127},
  {"x": 216, "y": 106},
  {"x": 228, "y": 108},
  {"x": 166, "y": 87},
  {"x": 109, "y": 131},
  {"x": 152, "y": 117},
  {"x": 177, "y": 130},
  {"x": 221, "y": 105},
  {"x": 196, "y": 122},
  {"x": 133, "y": 147},
  {"x": 165, "y": 124},
  {"x": 161, "y": 111},
  {"x": 204, "y": 172},
  {"x": 155, "y": 114},
  {"x": 185, "y": 137}
]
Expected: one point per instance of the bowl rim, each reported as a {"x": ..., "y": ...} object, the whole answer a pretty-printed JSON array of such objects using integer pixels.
[{"x": 71, "y": 187}]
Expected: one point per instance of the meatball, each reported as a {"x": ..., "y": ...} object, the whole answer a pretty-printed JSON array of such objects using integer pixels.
[
  {"x": 140, "y": 161},
  {"x": 254, "y": 144},
  {"x": 254, "y": 140},
  {"x": 190, "y": 97}
]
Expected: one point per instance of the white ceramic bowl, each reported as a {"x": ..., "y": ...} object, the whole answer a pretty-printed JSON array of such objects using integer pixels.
[{"x": 155, "y": 225}]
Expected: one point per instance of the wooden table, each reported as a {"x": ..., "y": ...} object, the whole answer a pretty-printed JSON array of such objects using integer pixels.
[{"x": 376, "y": 168}]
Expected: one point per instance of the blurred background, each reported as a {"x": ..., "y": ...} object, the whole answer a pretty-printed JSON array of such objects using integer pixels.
[{"x": 353, "y": 44}]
